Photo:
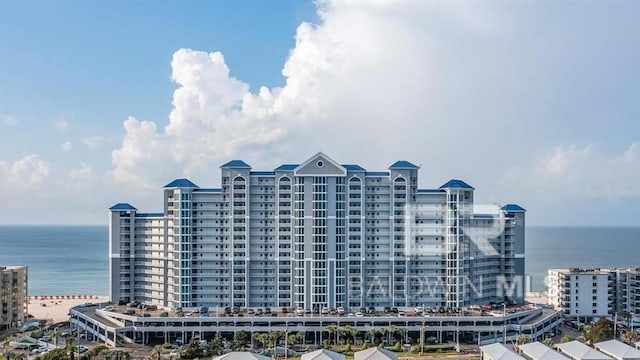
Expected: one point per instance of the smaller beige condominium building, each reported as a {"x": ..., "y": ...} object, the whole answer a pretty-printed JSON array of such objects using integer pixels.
[{"x": 13, "y": 296}]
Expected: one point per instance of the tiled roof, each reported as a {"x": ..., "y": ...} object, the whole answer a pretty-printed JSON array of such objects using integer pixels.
[
  {"x": 456, "y": 184},
  {"x": 239, "y": 164},
  {"x": 265, "y": 173},
  {"x": 353, "y": 167},
  {"x": 513, "y": 208},
  {"x": 181, "y": 183},
  {"x": 403, "y": 164},
  {"x": 122, "y": 206},
  {"x": 286, "y": 167}
]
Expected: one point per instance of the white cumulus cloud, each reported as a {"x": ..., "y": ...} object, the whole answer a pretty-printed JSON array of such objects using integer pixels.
[
  {"x": 450, "y": 86},
  {"x": 24, "y": 173},
  {"x": 589, "y": 172},
  {"x": 84, "y": 172}
]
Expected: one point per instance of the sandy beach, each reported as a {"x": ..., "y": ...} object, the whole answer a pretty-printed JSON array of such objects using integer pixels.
[{"x": 55, "y": 308}]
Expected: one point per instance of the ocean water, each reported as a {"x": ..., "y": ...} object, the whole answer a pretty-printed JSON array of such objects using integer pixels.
[
  {"x": 62, "y": 260},
  {"x": 72, "y": 260},
  {"x": 562, "y": 247}
]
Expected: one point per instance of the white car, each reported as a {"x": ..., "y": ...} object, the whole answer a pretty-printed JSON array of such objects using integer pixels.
[
  {"x": 108, "y": 308},
  {"x": 359, "y": 314},
  {"x": 39, "y": 350}
]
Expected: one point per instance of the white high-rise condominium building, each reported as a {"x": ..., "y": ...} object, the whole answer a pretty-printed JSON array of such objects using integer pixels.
[
  {"x": 313, "y": 235},
  {"x": 595, "y": 292},
  {"x": 582, "y": 293}
]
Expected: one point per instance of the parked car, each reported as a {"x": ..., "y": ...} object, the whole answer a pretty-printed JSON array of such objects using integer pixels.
[
  {"x": 129, "y": 312},
  {"x": 45, "y": 338},
  {"x": 39, "y": 350},
  {"x": 108, "y": 308}
]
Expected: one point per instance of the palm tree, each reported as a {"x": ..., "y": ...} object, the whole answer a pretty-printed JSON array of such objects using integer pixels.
[
  {"x": 547, "y": 341},
  {"x": 262, "y": 339},
  {"x": 70, "y": 347},
  {"x": 331, "y": 329},
  {"x": 301, "y": 336},
  {"x": 275, "y": 336},
  {"x": 371, "y": 333},
  {"x": 391, "y": 331}
]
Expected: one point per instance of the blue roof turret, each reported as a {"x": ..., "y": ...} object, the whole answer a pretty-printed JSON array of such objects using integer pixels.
[
  {"x": 403, "y": 164},
  {"x": 456, "y": 184},
  {"x": 122, "y": 207},
  {"x": 513, "y": 208},
  {"x": 236, "y": 164},
  {"x": 181, "y": 183}
]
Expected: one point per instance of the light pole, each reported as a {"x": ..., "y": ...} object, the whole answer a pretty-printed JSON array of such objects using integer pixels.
[
  {"x": 422, "y": 336},
  {"x": 504, "y": 315},
  {"x": 286, "y": 340}
]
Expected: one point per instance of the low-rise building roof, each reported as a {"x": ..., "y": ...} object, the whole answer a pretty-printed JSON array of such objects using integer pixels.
[
  {"x": 499, "y": 351},
  {"x": 242, "y": 355},
  {"x": 618, "y": 350},
  {"x": 375, "y": 353},
  {"x": 539, "y": 351},
  {"x": 322, "y": 354},
  {"x": 579, "y": 351}
]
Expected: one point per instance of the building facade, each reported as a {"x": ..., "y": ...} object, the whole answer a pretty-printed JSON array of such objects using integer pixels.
[
  {"x": 317, "y": 235},
  {"x": 13, "y": 296},
  {"x": 582, "y": 293},
  {"x": 596, "y": 292}
]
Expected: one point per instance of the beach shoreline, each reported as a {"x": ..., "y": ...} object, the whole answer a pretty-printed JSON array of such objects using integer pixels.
[{"x": 55, "y": 308}]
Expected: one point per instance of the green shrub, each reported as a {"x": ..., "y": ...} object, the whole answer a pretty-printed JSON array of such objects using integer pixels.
[
  {"x": 166, "y": 345},
  {"x": 397, "y": 347},
  {"x": 37, "y": 334}
]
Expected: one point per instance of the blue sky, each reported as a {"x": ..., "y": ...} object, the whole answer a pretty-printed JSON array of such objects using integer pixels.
[{"x": 531, "y": 102}]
